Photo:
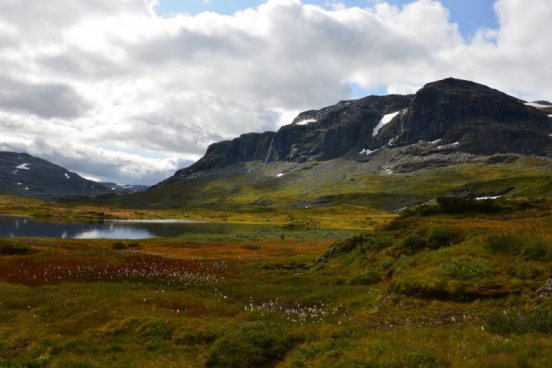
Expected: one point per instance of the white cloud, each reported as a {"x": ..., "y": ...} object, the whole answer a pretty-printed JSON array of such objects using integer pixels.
[{"x": 119, "y": 92}]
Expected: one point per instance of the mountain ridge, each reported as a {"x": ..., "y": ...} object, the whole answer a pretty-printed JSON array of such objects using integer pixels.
[
  {"x": 457, "y": 115},
  {"x": 24, "y": 174}
]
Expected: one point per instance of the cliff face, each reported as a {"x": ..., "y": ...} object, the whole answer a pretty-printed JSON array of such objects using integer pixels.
[
  {"x": 467, "y": 116},
  {"x": 316, "y": 134},
  {"x": 482, "y": 120}
]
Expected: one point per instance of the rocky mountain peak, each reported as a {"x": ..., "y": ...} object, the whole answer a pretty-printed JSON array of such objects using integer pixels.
[
  {"x": 481, "y": 119},
  {"x": 467, "y": 116}
]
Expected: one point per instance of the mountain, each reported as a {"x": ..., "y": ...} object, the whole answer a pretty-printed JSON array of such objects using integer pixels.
[
  {"x": 473, "y": 117},
  {"x": 21, "y": 173},
  {"x": 124, "y": 189},
  {"x": 447, "y": 115},
  {"x": 452, "y": 137},
  {"x": 317, "y": 134}
]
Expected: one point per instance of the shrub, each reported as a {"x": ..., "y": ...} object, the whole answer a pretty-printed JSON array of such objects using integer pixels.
[
  {"x": 529, "y": 248},
  {"x": 156, "y": 330},
  {"x": 362, "y": 243},
  {"x": 118, "y": 246},
  {"x": 255, "y": 344},
  {"x": 526, "y": 272},
  {"x": 345, "y": 246},
  {"x": 454, "y": 205},
  {"x": 504, "y": 243},
  {"x": 512, "y": 322},
  {"x": 134, "y": 245},
  {"x": 507, "y": 322},
  {"x": 466, "y": 268},
  {"x": 367, "y": 277},
  {"x": 377, "y": 241},
  {"x": 444, "y": 236},
  {"x": 12, "y": 249},
  {"x": 536, "y": 249},
  {"x": 196, "y": 336},
  {"x": 414, "y": 242}
]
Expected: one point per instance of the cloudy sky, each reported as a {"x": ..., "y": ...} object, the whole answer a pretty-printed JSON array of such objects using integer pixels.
[{"x": 131, "y": 90}]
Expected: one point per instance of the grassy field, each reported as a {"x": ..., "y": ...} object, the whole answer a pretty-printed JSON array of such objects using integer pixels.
[
  {"x": 342, "y": 282},
  {"x": 453, "y": 284},
  {"x": 335, "y": 183}
]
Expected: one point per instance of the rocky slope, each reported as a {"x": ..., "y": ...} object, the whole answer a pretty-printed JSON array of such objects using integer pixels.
[
  {"x": 23, "y": 174},
  {"x": 124, "y": 189},
  {"x": 444, "y": 117},
  {"x": 473, "y": 117}
]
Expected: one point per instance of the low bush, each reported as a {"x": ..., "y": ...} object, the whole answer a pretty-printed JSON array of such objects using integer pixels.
[
  {"x": 414, "y": 243},
  {"x": 455, "y": 205},
  {"x": 526, "y": 272},
  {"x": 196, "y": 337},
  {"x": 255, "y": 344},
  {"x": 118, "y": 246},
  {"x": 377, "y": 241},
  {"x": 367, "y": 277},
  {"x": 504, "y": 243},
  {"x": 13, "y": 249},
  {"x": 466, "y": 268},
  {"x": 520, "y": 322},
  {"x": 518, "y": 244},
  {"x": 444, "y": 236},
  {"x": 536, "y": 249},
  {"x": 344, "y": 246},
  {"x": 468, "y": 205},
  {"x": 156, "y": 331},
  {"x": 362, "y": 243}
]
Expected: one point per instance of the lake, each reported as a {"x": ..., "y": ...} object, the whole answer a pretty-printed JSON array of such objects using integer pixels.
[{"x": 14, "y": 226}]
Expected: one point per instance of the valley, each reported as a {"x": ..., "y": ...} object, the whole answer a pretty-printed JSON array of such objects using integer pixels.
[
  {"x": 398, "y": 231},
  {"x": 453, "y": 284}
]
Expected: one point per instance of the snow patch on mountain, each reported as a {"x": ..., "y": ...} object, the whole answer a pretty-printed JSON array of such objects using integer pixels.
[
  {"x": 448, "y": 145},
  {"x": 485, "y": 198},
  {"x": 537, "y": 105},
  {"x": 306, "y": 121},
  {"x": 367, "y": 152},
  {"x": 386, "y": 119}
]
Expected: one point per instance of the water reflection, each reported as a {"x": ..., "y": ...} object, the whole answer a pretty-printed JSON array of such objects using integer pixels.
[
  {"x": 115, "y": 233},
  {"x": 142, "y": 229}
]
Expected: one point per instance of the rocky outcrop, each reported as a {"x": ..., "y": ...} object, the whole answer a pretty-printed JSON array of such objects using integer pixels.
[
  {"x": 247, "y": 147},
  {"x": 481, "y": 119},
  {"x": 461, "y": 115},
  {"x": 316, "y": 134}
]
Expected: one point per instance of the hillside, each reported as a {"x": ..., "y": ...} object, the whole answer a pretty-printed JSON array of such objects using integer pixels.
[
  {"x": 452, "y": 137},
  {"x": 23, "y": 174},
  {"x": 448, "y": 115}
]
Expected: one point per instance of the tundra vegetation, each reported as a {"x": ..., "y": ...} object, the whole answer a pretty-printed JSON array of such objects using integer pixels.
[{"x": 448, "y": 282}]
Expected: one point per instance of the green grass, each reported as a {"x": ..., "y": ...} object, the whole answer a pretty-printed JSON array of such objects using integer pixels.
[
  {"x": 371, "y": 301},
  {"x": 345, "y": 283}
]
